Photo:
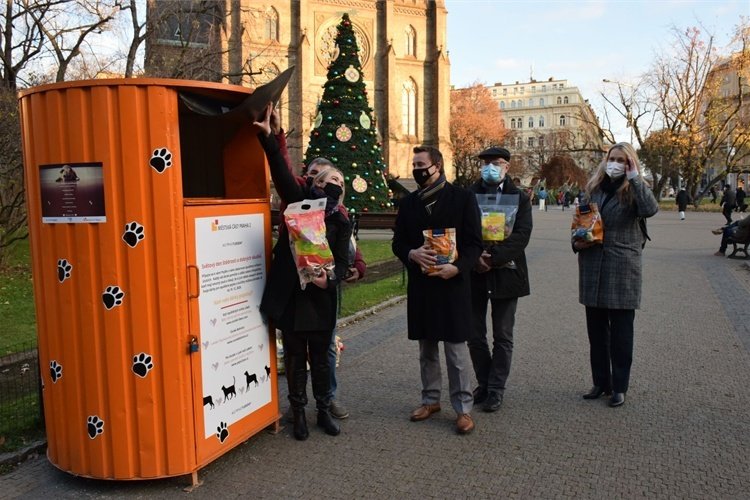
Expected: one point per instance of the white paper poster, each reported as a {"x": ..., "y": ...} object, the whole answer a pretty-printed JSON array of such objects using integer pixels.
[{"x": 236, "y": 362}]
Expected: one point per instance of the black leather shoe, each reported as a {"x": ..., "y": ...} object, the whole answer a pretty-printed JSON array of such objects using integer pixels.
[
  {"x": 480, "y": 395},
  {"x": 493, "y": 403},
  {"x": 300, "y": 425},
  {"x": 326, "y": 422},
  {"x": 596, "y": 392},
  {"x": 617, "y": 399}
]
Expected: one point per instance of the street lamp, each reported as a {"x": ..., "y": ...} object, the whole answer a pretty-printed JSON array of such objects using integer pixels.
[{"x": 628, "y": 104}]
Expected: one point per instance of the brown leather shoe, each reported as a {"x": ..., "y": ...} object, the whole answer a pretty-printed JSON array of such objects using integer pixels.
[
  {"x": 424, "y": 412},
  {"x": 464, "y": 424}
]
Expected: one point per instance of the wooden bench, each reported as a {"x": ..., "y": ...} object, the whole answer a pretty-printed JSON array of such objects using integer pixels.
[{"x": 739, "y": 246}]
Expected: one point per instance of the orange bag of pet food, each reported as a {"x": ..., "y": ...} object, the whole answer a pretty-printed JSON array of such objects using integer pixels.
[
  {"x": 305, "y": 221},
  {"x": 443, "y": 241},
  {"x": 587, "y": 224}
]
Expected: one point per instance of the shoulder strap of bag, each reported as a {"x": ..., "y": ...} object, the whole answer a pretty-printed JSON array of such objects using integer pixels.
[{"x": 644, "y": 230}]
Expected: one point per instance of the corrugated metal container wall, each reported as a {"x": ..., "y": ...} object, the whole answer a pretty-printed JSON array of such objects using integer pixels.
[{"x": 111, "y": 309}]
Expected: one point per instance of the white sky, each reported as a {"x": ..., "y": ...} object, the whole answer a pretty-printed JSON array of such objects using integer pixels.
[{"x": 581, "y": 41}]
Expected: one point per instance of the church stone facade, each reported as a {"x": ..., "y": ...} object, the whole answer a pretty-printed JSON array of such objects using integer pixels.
[{"x": 403, "y": 51}]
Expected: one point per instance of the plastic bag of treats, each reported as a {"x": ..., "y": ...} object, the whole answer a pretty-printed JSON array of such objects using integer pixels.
[
  {"x": 305, "y": 221},
  {"x": 443, "y": 241},
  {"x": 498, "y": 215},
  {"x": 587, "y": 224}
]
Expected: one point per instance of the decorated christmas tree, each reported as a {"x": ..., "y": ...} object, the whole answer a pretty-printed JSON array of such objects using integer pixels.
[{"x": 344, "y": 129}]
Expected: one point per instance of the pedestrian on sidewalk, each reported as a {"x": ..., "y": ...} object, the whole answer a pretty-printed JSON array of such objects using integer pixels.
[
  {"x": 500, "y": 277},
  {"x": 681, "y": 200},
  {"x": 610, "y": 272},
  {"x": 439, "y": 300},
  {"x": 728, "y": 202},
  {"x": 306, "y": 317},
  {"x": 543, "y": 199}
]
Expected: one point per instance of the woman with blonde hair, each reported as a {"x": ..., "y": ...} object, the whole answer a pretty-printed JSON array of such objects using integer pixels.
[{"x": 610, "y": 272}]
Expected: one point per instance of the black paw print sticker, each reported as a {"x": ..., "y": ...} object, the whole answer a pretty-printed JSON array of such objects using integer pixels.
[
  {"x": 221, "y": 432},
  {"x": 133, "y": 234},
  {"x": 142, "y": 364},
  {"x": 161, "y": 160},
  {"x": 63, "y": 270},
  {"x": 112, "y": 296},
  {"x": 94, "y": 426},
  {"x": 55, "y": 371}
]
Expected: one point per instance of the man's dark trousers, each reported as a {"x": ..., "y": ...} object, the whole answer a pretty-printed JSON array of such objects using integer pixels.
[{"x": 492, "y": 368}]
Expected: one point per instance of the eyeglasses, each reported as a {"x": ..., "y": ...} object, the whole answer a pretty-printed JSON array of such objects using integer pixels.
[{"x": 499, "y": 163}]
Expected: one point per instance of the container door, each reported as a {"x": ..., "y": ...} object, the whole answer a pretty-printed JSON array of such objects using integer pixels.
[{"x": 233, "y": 354}]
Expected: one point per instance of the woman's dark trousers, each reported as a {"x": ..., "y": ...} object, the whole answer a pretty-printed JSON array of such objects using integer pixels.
[
  {"x": 611, "y": 346},
  {"x": 296, "y": 348}
]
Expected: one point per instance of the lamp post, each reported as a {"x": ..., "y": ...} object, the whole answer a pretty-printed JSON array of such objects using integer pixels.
[{"x": 628, "y": 104}]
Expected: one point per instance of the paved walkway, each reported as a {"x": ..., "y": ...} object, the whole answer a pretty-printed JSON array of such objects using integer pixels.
[{"x": 683, "y": 432}]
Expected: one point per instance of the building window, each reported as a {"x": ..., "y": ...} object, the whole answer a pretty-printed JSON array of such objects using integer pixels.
[
  {"x": 411, "y": 41},
  {"x": 522, "y": 90},
  {"x": 562, "y": 120},
  {"x": 409, "y": 108},
  {"x": 531, "y": 122},
  {"x": 531, "y": 102},
  {"x": 565, "y": 100},
  {"x": 541, "y": 101},
  {"x": 544, "y": 88},
  {"x": 502, "y": 104},
  {"x": 505, "y": 91},
  {"x": 520, "y": 123},
  {"x": 559, "y": 100},
  {"x": 272, "y": 25},
  {"x": 561, "y": 85},
  {"x": 533, "y": 89},
  {"x": 512, "y": 123},
  {"x": 541, "y": 141},
  {"x": 515, "y": 90},
  {"x": 513, "y": 104},
  {"x": 520, "y": 103},
  {"x": 519, "y": 143},
  {"x": 530, "y": 142},
  {"x": 541, "y": 121},
  {"x": 494, "y": 92}
]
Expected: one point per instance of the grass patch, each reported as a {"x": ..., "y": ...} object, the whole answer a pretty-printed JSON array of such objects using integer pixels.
[
  {"x": 20, "y": 423},
  {"x": 376, "y": 251},
  {"x": 357, "y": 297},
  {"x": 17, "y": 301}
]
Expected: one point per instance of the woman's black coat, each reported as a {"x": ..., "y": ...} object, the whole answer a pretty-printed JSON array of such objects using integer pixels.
[{"x": 284, "y": 302}]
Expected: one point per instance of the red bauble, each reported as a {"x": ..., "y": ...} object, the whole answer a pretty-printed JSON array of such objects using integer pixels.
[
  {"x": 354, "y": 147},
  {"x": 336, "y": 102},
  {"x": 364, "y": 209}
]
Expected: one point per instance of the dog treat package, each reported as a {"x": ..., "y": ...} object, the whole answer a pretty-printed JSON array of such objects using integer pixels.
[
  {"x": 305, "y": 221},
  {"x": 587, "y": 224},
  {"x": 443, "y": 241},
  {"x": 498, "y": 215}
]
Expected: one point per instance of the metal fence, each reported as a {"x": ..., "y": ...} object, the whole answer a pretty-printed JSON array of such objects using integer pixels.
[{"x": 20, "y": 395}]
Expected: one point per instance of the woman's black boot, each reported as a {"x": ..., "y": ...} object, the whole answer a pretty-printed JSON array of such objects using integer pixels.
[
  {"x": 327, "y": 423},
  {"x": 300, "y": 424}
]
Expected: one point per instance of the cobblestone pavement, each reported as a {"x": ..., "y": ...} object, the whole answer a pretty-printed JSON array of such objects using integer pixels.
[{"x": 684, "y": 431}]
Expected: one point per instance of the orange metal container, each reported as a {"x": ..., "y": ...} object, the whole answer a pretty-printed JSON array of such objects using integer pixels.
[{"x": 147, "y": 258}]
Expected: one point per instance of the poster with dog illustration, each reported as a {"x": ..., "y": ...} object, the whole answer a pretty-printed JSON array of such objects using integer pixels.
[{"x": 235, "y": 356}]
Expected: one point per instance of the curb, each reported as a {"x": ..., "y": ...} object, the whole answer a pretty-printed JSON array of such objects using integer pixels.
[
  {"x": 359, "y": 316},
  {"x": 16, "y": 457}
]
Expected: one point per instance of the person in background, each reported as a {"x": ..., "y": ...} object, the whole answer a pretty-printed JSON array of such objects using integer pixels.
[
  {"x": 610, "y": 272},
  {"x": 439, "y": 296},
  {"x": 712, "y": 192},
  {"x": 357, "y": 268},
  {"x": 542, "y": 199},
  {"x": 738, "y": 231},
  {"x": 740, "y": 199},
  {"x": 728, "y": 202},
  {"x": 500, "y": 278},
  {"x": 306, "y": 317},
  {"x": 681, "y": 200}
]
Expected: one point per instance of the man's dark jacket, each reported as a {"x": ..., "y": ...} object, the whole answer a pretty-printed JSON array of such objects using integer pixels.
[{"x": 506, "y": 280}]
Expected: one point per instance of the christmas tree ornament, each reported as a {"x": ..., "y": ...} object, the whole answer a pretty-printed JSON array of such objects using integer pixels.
[
  {"x": 318, "y": 120},
  {"x": 354, "y": 164},
  {"x": 359, "y": 184},
  {"x": 364, "y": 120},
  {"x": 352, "y": 74},
  {"x": 343, "y": 133}
]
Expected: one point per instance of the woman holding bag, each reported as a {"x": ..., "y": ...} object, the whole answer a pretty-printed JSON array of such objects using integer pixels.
[
  {"x": 610, "y": 272},
  {"x": 306, "y": 317}
]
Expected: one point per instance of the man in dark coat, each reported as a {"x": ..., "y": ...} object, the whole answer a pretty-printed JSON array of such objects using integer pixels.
[
  {"x": 500, "y": 277},
  {"x": 438, "y": 301},
  {"x": 728, "y": 202},
  {"x": 682, "y": 199}
]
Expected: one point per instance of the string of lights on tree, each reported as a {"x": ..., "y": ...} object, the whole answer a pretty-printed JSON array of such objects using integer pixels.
[{"x": 344, "y": 129}]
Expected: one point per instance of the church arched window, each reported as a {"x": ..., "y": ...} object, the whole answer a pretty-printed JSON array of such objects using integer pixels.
[
  {"x": 565, "y": 100},
  {"x": 409, "y": 108},
  {"x": 562, "y": 120},
  {"x": 272, "y": 24},
  {"x": 411, "y": 41}
]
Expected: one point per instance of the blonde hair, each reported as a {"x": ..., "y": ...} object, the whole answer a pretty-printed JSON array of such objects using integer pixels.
[
  {"x": 623, "y": 192},
  {"x": 325, "y": 174}
]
